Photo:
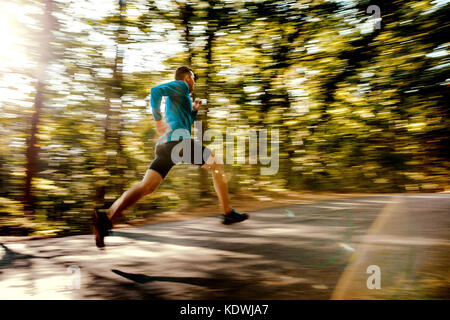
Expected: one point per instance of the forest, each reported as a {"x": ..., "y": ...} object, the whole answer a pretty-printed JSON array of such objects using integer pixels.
[{"x": 359, "y": 97}]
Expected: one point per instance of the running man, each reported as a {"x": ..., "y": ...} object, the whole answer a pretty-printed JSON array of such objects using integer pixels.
[{"x": 180, "y": 114}]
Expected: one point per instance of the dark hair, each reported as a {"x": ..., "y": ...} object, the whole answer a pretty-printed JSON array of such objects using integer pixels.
[{"x": 181, "y": 71}]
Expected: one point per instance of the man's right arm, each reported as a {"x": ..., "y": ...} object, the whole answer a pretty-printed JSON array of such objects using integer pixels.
[
  {"x": 161, "y": 126},
  {"x": 170, "y": 89}
]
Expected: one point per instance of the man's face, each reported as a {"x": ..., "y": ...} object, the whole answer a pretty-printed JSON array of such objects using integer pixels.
[{"x": 190, "y": 80}]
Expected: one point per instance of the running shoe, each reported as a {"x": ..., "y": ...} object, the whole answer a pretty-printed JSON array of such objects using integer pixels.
[
  {"x": 102, "y": 226},
  {"x": 233, "y": 216}
]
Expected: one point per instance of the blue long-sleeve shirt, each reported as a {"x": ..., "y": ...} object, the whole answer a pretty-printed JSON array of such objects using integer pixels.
[{"x": 179, "y": 113}]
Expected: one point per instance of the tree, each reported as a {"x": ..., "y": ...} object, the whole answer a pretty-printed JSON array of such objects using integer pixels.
[{"x": 32, "y": 152}]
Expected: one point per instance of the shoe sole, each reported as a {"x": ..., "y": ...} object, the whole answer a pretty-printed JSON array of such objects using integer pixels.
[
  {"x": 228, "y": 221},
  {"x": 99, "y": 239}
]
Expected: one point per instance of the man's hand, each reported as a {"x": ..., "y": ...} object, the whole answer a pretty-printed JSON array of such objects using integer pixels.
[
  {"x": 197, "y": 104},
  {"x": 161, "y": 126}
]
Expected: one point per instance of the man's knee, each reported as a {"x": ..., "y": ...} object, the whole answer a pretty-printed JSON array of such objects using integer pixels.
[
  {"x": 218, "y": 167},
  {"x": 148, "y": 187},
  {"x": 214, "y": 166},
  {"x": 151, "y": 181}
]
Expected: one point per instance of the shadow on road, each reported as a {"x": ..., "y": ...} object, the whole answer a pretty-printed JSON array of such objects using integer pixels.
[
  {"x": 142, "y": 278},
  {"x": 14, "y": 259}
]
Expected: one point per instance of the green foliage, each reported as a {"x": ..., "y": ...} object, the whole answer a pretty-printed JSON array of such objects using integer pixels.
[{"x": 358, "y": 109}]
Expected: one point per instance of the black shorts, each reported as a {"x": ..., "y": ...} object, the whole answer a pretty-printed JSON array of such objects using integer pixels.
[{"x": 189, "y": 152}]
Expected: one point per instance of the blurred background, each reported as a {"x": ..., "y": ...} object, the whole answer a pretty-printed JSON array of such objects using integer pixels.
[{"x": 360, "y": 107}]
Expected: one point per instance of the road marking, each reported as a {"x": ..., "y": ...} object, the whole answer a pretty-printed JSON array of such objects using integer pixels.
[
  {"x": 379, "y": 201},
  {"x": 331, "y": 208},
  {"x": 346, "y": 247},
  {"x": 345, "y": 281},
  {"x": 425, "y": 197},
  {"x": 411, "y": 241},
  {"x": 347, "y": 203}
]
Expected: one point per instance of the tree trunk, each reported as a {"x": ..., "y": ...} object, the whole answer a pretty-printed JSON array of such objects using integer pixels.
[
  {"x": 186, "y": 14},
  {"x": 32, "y": 152},
  {"x": 114, "y": 163},
  {"x": 204, "y": 175}
]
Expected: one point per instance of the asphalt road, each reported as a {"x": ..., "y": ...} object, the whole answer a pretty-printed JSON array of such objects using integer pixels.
[{"x": 312, "y": 251}]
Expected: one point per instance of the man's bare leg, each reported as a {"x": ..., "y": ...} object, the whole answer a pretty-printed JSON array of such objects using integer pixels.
[
  {"x": 149, "y": 183},
  {"x": 220, "y": 182}
]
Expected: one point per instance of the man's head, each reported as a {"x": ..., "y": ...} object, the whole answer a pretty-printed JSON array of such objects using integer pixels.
[{"x": 186, "y": 74}]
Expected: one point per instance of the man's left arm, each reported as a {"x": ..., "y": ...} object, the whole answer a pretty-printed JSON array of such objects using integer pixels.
[{"x": 196, "y": 105}]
